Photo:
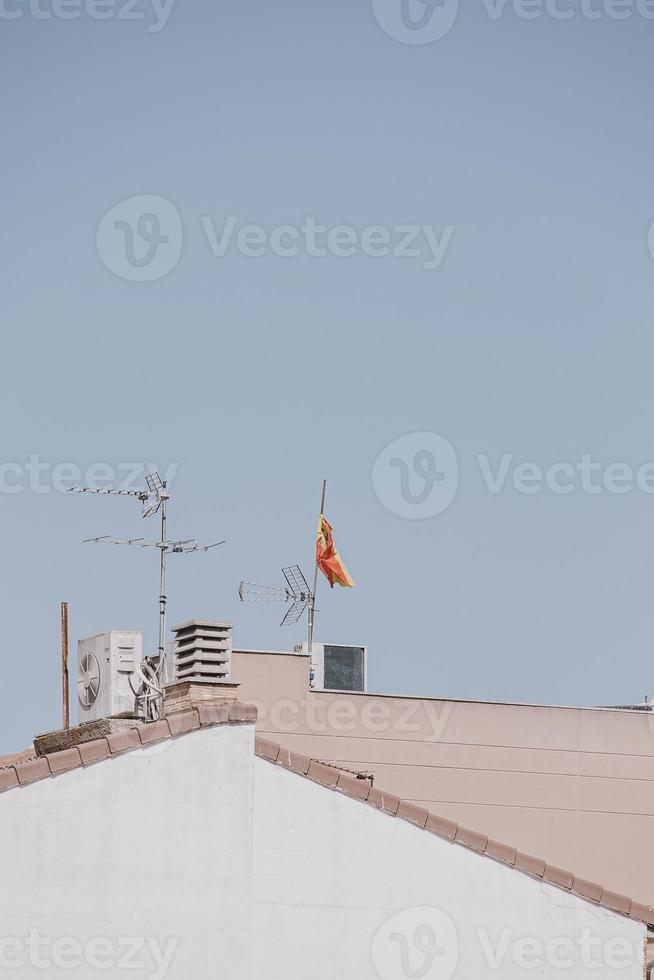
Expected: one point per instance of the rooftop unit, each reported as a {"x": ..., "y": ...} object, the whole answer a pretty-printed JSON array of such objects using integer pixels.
[
  {"x": 203, "y": 651},
  {"x": 337, "y": 667},
  {"x": 106, "y": 666}
]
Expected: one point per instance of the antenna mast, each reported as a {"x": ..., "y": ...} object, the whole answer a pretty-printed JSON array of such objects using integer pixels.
[
  {"x": 312, "y": 600},
  {"x": 158, "y": 486},
  {"x": 154, "y": 500}
]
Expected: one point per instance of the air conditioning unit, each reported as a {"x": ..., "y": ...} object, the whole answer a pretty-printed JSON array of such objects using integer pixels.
[
  {"x": 105, "y": 666},
  {"x": 337, "y": 667}
]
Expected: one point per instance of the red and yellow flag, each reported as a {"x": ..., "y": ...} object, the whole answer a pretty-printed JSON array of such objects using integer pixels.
[{"x": 328, "y": 559}]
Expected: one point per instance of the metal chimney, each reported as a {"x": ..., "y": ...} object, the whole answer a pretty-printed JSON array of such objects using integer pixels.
[{"x": 203, "y": 651}]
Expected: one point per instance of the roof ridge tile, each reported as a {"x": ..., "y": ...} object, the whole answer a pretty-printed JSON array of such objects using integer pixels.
[
  {"x": 392, "y": 805},
  {"x": 94, "y": 751},
  {"x": 29, "y": 772},
  {"x": 351, "y": 786},
  {"x": 138, "y": 736},
  {"x": 471, "y": 839},
  {"x": 64, "y": 760},
  {"x": 181, "y": 722},
  {"x": 413, "y": 813}
]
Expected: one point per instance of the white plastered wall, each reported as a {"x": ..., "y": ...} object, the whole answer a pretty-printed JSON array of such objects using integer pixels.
[
  {"x": 170, "y": 846},
  {"x": 344, "y": 892},
  {"x": 154, "y": 844}
]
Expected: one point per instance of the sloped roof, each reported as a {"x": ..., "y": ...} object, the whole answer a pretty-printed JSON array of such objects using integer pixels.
[
  {"x": 11, "y": 760},
  {"x": 360, "y": 789},
  {"x": 22, "y": 773}
]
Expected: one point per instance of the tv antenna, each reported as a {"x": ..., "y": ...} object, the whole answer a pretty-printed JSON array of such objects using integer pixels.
[
  {"x": 153, "y": 500},
  {"x": 296, "y": 591}
]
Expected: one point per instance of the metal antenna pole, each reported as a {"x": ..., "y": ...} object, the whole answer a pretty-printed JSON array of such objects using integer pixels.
[
  {"x": 154, "y": 499},
  {"x": 162, "y": 580},
  {"x": 312, "y": 599}
]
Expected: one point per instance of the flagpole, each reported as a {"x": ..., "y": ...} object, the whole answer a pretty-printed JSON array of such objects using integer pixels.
[{"x": 312, "y": 597}]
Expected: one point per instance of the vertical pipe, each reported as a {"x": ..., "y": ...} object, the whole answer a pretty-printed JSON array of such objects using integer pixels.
[{"x": 64, "y": 665}]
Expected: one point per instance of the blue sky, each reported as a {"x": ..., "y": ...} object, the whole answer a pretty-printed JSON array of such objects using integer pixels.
[{"x": 256, "y": 375}]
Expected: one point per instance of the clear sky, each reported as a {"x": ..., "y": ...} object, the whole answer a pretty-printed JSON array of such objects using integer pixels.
[{"x": 256, "y": 364}]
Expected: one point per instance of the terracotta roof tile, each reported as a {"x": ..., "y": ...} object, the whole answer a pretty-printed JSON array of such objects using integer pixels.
[
  {"x": 644, "y": 913},
  {"x": 351, "y": 786},
  {"x": 501, "y": 852},
  {"x": 65, "y": 760},
  {"x": 557, "y": 876},
  {"x": 387, "y": 802},
  {"x": 322, "y": 774},
  {"x": 154, "y": 732},
  {"x": 122, "y": 741},
  {"x": 443, "y": 828},
  {"x": 294, "y": 761},
  {"x": 8, "y": 778},
  {"x": 531, "y": 865},
  {"x": 414, "y": 814},
  {"x": 588, "y": 889},
  {"x": 183, "y": 721},
  {"x": 213, "y": 714},
  {"x": 267, "y": 750},
  {"x": 29, "y": 772},
  {"x": 471, "y": 839},
  {"x": 7, "y": 761},
  {"x": 94, "y": 751},
  {"x": 619, "y": 903},
  {"x": 239, "y": 712}
]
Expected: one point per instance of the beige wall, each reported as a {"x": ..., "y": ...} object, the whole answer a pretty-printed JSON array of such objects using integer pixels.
[{"x": 574, "y": 786}]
